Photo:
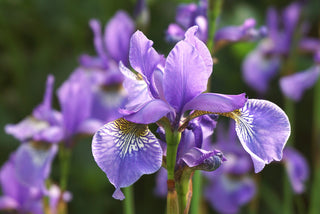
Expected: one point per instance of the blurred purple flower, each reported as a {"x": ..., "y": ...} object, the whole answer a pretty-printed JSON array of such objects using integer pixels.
[
  {"x": 227, "y": 194},
  {"x": 263, "y": 63},
  {"x": 187, "y": 16},
  {"x": 297, "y": 169},
  {"x": 293, "y": 86},
  {"x": 103, "y": 70},
  {"x": 113, "y": 46},
  {"x": 56, "y": 196},
  {"x": 192, "y": 14},
  {"x": 230, "y": 187},
  {"x": 244, "y": 32},
  {"x": 23, "y": 176},
  {"x": 44, "y": 123}
]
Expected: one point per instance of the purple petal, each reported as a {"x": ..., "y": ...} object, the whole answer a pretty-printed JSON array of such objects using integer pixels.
[
  {"x": 26, "y": 129},
  {"x": 7, "y": 203},
  {"x": 33, "y": 164},
  {"x": 125, "y": 151},
  {"x": 258, "y": 70},
  {"x": 75, "y": 92},
  {"x": 309, "y": 44},
  {"x": 243, "y": 32},
  {"x": 185, "y": 75},
  {"x": 297, "y": 169},
  {"x": 216, "y": 103},
  {"x": 174, "y": 33},
  {"x": 161, "y": 182},
  {"x": 202, "y": 23},
  {"x": 185, "y": 14},
  {"x": 143, "y": 57},
  {"x": 238, "y": 160},
  {"x": 137, "y": 89},
  {"x": 290, "y": 16},
  {"x": 149, "y": 113},
  {"x": 91, "y": 62},
  {"x": 28, "y": 198},
  {"x": 202, "y": 49},
  {"x": 202, "y": 159},
  {"x": 106, "y": 105},
  {"x": 293, "y": 86},
  {"x": 117, "y": 36},
  {"x": 227, "y": 195},
  {"x": 44, "y": 111},
  {"x": 263, "y": 130},
  {"x": 53, "y": 134},
  {"x": 97, "y": 41}
]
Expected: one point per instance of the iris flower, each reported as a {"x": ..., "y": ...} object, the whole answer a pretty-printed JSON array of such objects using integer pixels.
[
  {"x": 167, "y": 89},
  {"x": 264, "y": 63}
]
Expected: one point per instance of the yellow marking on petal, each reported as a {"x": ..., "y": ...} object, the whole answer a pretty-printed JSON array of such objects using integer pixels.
[{"x": 129, "y": 127}]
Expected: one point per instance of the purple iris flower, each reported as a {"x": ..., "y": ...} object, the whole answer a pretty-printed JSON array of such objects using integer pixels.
[
  {"x": 192, "y": 14},
  {"x": 23, "y": 176},
  {"x": 297, "y": 169},
  {"x": 189, "y": 15},
  {"x": 113, "y": 46},
  {"x": 44, "y": 123},
  {"x": 263, "y": 63},
  {"x": 103, "y": 70},
  {"x": 125, "y": 149}
]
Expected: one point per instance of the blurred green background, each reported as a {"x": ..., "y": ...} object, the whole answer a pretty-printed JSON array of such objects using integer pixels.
[{"x": 40, "y": 37}]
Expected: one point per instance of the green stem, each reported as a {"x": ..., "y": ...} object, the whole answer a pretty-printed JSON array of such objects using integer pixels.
[
  {"x": 184, "y": 190},
  {"x": 128, "y": 203},
  {"x": 65, "y": 157},
  {"x": 288, "y": 196},
  {"x": 214, "y": 10},
  {"x": 315, "y": 193},
  {"x": 287, "y": 189},
  {"x": 196, "y": 192},
  {"x": 173, "y": 139}
]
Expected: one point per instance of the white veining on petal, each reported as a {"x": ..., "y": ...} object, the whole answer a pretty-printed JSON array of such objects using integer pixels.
[
  {"x": 263, "y": 129},
  {"x": 129, "y": 137},
  {"x": 245, "y": 122}
]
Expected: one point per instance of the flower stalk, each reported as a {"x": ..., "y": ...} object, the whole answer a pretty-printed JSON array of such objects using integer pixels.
[
  {"x": 314, "y": 204},
  {"x": 128, "y": 204},
  {"x": 214, "y": 10},
  {"x": 173, "y": 139}
]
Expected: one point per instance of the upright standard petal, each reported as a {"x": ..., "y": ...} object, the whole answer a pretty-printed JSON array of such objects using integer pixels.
[
  {"x": 44, "y": 111},
  {"x": 75, "y": 96},
  {"x": 293, "y": 86},
  {"x": 297, "y": 169},
  {"x": 98, "y": 42},
  {"x": 263, "y": 130},
  {"x": 117, "y": 36},
  {"x": 203, "y": 51},
  {"x": 125, "y": 151},
  {"x": 143, "y": 57},
  {"x": 185, "y": 75}
]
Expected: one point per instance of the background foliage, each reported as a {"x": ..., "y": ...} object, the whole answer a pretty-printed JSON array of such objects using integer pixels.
[{"x": 41, "y": 37}]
